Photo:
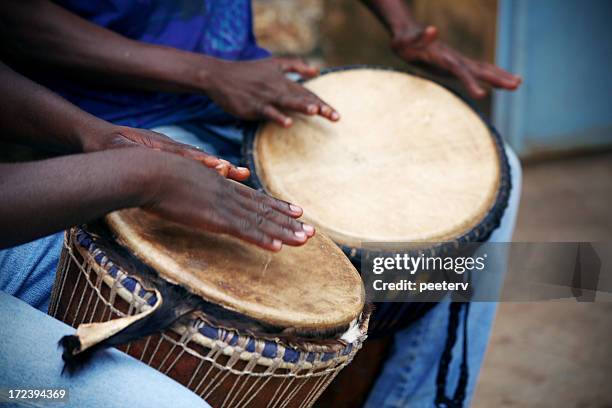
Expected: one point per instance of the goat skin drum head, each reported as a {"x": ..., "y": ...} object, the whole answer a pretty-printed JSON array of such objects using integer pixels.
[
  {"x": 408, "y": 161},
  {"x": 312, "y": 287}
]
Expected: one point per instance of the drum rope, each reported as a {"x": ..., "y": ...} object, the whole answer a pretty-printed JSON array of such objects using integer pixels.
[
  {"x": 310, "y": 398},
  {"x": 82, "y": 296},
  {"x": 277, "y": 392},
  {"x": 259, "y": 348},
  {"x": 299, "y": 366},
  {"x": 95, "y": 308},
  {"x": 263, "y": 380}
]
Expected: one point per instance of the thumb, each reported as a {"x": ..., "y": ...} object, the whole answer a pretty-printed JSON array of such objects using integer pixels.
[
  {"x": 299, "y": 66},
  {"x": 424, "y": 37}
]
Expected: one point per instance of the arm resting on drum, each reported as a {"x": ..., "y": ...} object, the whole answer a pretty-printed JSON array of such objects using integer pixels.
[{"x": 39, "y": 198}]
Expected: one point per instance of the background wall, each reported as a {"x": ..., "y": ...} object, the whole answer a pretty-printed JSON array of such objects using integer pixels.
[{"x": 562, "y": 48}]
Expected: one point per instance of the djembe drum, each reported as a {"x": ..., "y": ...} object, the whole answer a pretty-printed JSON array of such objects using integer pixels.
[
  {"x": 248, "y": 328},
  {"x": 409, "y": 162}
]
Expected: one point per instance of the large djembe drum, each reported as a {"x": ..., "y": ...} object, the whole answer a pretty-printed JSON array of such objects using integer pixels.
[
  {"x": 409, "y": 162},
  {"x": 246, "y": 328}
]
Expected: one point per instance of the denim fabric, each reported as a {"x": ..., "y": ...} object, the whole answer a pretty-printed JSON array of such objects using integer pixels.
[
  {"x": 221, "y": 140},
  {"x": 27, "y": 271},
  {"x": 30, "y": 358}
]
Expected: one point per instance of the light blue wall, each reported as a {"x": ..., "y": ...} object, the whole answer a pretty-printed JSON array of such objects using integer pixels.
[{"x": 563, "y": 51}]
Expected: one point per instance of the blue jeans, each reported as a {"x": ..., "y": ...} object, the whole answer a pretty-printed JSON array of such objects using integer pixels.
[
  {"x": 408, "y": 377},
  {"x": 30, "y": 358}
]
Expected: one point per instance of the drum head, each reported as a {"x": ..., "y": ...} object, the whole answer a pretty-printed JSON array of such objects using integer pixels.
[
  {"x": 313, "y": 287},
  {"x": 408, "y": 161}
]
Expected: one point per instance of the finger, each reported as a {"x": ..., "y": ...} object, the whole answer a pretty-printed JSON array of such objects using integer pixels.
[
  {"x": 261, "y": 221},
  {"x": 193, "y": 153},
  {"x": 160, "y": 141},
  {"x": 271, "y": 113},
  {"x": 247, "y": 231},
  {"x": 284, "y": 207},
  {"x": 323, "y": 108},
  {"x": 300, "y": 104},
  {"x": 491, "y": 78},
  {"x": 264, "y": 209},
  {"x": 223, "y": 168},
  {"x": 228, "y": 170},
  {"x": 239, "y": 173},
  {"x": 462, "y": 72},
  {"x": 269, "y": 208},
  {"x": 496, "y": 76},
  {"x": 298, "y": 66}
]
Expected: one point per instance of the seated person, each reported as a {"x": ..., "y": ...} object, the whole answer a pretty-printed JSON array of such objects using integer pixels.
[{"x": 193, "y": 71}]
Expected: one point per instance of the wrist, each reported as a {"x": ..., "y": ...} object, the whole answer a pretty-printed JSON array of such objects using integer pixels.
[
  {"x": 93, "y": 135},
  {"x": 200, "y": 71},
  {"x": 144, "y": 175},
  {"x": 206, "y": 71},
  {"x": 405, "y": 36}
]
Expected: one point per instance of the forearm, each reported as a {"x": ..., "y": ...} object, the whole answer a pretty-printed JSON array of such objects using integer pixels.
[
  {"x": 31, "y": 114},
  {"x": 44, "y": 32},
  {"x": 395, "y": 15},
  {"x": 39, "y": 198}
]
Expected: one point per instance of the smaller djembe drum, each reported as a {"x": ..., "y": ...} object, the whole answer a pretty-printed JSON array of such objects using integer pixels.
[{"x": 247, "y": 328}]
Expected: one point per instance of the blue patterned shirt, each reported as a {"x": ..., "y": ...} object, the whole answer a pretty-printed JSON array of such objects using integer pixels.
[{"x": 219, "y": 28}]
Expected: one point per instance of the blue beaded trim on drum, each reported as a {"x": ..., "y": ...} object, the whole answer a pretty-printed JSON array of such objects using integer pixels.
[
  {"x": 480, "y": 233},
  {"x": 270, "y": 350}
]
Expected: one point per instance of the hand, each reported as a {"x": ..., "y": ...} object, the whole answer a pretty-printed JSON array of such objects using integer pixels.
[
  {"x": 260, "y": 90},
  {"x": 123, "y": 136},
  {"x": 198, "y": 197},
  {"x": 422, "y": 45}
]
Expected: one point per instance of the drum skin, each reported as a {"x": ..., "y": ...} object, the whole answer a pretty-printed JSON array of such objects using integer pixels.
[
  {"x": 409, "y": 161},
  {"x": 288, "y": 288}
]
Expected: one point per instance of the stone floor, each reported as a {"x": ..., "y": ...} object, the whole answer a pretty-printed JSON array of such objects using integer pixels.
[{"x": 555, "y": 354}]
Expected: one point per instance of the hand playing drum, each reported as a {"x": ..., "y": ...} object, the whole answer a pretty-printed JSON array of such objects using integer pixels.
[{"x": 191, "y": 194}]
